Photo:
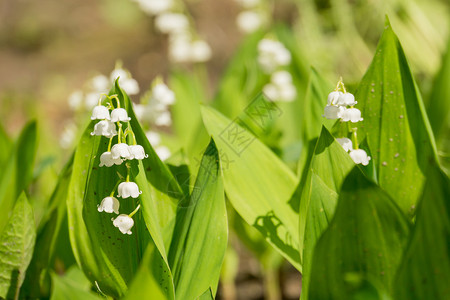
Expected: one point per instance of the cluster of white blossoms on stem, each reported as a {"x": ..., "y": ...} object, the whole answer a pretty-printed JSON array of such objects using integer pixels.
[
  {"x": 272, "y": 58},
  {"x": 110, "y": 124},
  {"x": 184, "y": 44},
  {"x": 253, "y": 16},
  {"x": 340, "y": 106}
]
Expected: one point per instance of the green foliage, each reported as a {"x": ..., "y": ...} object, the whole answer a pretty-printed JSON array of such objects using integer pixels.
[{"x": 16, "y": 248}]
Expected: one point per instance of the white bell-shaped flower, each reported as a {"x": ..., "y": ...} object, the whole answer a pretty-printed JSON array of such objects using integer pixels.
[
  {"x": 333, "y": 98},
  {"x": 346, "y": 143},
  {"x": 281, "y": 78},
  {"x": 105, "y": 128},
  {"x": 351, "y": 114},
  {"x": 200, "y": 51},
  {"x": 120, "y": 151},
  {"x": 153, "y": 137},
  {"x": 272, "y": 54},
  {"x": 346, "y": 99},
  {"x": 359, "y": 156},
  {"x": 100, "y": 112},
  {"x": 163, "y": 94},
  {"x": 163, "y": 119},
  {"x": 128, "y": 189},
  {"x": 130, "y": 86},
  {"x": 163, "y": 152},
  {"x": 119, "y": 115},
  {"x": 332, "y": 112},
  {"x": 76, "y": 100},
  {"x": 124, "y": 223},
  {"x": 109, "y": 205},
  {"x": 249, "y": 21},
  {"x": 171, "y": 22},
  {"x": 154, "y": 7},
  {"x": 137, "y": 152},
  {"x": 106, "y": 159},
  {"x": 100, "y": 83}
]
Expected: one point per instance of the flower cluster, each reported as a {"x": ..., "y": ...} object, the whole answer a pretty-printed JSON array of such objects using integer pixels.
[
  {"x": 272, "y": 57},
  {"x": 109, "y": 125},
  {"x": 154, "y": 110},
  {"x": 340, "y": 106},
  {"x": 184, "y": 45},
  {"x": 252, "y": 17},
  {"x": 83, "y": 100}
]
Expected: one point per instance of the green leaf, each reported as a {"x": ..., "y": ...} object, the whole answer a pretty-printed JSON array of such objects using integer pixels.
[
  {"x": 16, "y": 248},
  {"x": 47, "y": 237},
  {"x": 257, "y": 183},
  {"x": 207, "y": 295},
  {"x": 5, "y": 146},
  {"x": 26, "y": 152},
  {"x": 395, "y": 123},
  {"x": 73, "y": 285},
  {"x": 329, "y": 166},
  {"x": 364, "y": 241},
  {"x": 202, "y": 234},
  {"x": 425, "y": 269},
  {"x": 102, "y": 251},
  {"x": 314, "y": 103}
]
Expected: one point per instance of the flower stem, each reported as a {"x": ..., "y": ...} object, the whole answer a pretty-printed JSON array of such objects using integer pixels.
[
  {"x": 110, "y": 142},
  {"x": 115, "y": 187},
  {"x": 134, "y": 211}
]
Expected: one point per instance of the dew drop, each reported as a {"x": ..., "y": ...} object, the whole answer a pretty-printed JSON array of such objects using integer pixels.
[
  {"x": 384, "y": 163},
  {"x": 372, "y": 90},
  {"x": 397, "y": 155},
  {"x": 391, "y": 92},
  {"x": 373, "y": 84},
  {"x": 401, "y": 116},
  {"x": 396, "y": 169},
  {"x": 391, "y": 139}
]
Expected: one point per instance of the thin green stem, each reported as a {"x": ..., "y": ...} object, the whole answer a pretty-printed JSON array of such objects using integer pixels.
[
  {"x": 115, "y": 187},
  {"x": 109, "y": 144},
  {"x": 134, "y": 211},
  {"x": 119, "y": 141}
]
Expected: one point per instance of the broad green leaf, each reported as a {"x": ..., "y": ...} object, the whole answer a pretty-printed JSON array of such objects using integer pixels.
[
  {"x": 313, "y": 106},
  {"x": 5, "y": 146},
  {"x": 47, "y": 237},
  {"x": 329, "y": 166},
  {"x": 16, "y": 248},
  {"x": 395, "y": 123},
  {"x": 257, "y": 183},
  {"x": 203, "y": 231},
  {"x": 153, "y": 279},
  {"x": 73, "y": 285},
  {"x": 26, "y": 152},
  {"x": 364, "y": 241},
  {"x": 425, "y": 269},
  {"x": 106, "y": 255},
  {"x": 207, "y": 295}
]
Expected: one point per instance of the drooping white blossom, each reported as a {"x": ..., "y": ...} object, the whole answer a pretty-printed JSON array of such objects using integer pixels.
[
  {"x": 332, "y": 112},
  {"x": 124, "y": 223},
  {"x": 171, "y": 22},
  {"x": 68, "y": 135},
  {"x": 163, "y": 152},
  {"x": 109, "y": 205},
  {"x": 249, "y": 21},
  {"x": 280, "y": 87},
  {"x": 163, "y": 119},
  {"x": 120, "y": 151},
  {"x": 351, "y": 114},
  {"x": 105, "y": 128},
  {"x": 200, "y": 51},
  {"x": 100, "y": 83},
  {"x": 153, "y": 137},
  {"x": 76, "y": 100},
  {"x": 333, "y": 98},
  {"x": 119, "y": 115},
  {"x": 359, "y": 156},
  {"x": 272, "y": 54},
  {"x": 346, "y": 99},
  {"x": 162, "y": 94},
  {"x": 128, "y": 189},
  {"x": 137, "y": 152},
  {"x": 100, "y": 112},
  {"x": 346, "y": 143},
  {"x": 154, "y": 7},
  {"x": 107, "y": 160},
  {"x": 126, "y": 82}
]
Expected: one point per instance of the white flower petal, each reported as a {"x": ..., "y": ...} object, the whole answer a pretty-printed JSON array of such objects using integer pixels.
[
  {"x": 128, "y": 189},
  {"x": 109, "y": 205},
  {"x": 119, "y": 115},
  {"x": 124, "y": 223},
  {"x": 137, "y": 152},
  {"x": 105, "y": 128},
  {"x": 351, "y": 114},
  {"x": 359, "y": 156},
  {"x": 120, "y": 151},
  {"x": 106, "y": 159},
  {"x": 100, "y": 112},
  {"x": 346, "y": 143}
]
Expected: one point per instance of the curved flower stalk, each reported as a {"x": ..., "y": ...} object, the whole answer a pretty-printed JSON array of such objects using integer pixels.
[
  {"x": 116, "y": 154},
  {"x": 336, "y": 108}
]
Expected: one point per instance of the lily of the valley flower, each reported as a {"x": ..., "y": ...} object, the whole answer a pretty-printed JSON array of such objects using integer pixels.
[
  {"x": 128, "y": 84},
  {"x": 346, "y": 143},
  {"x": 163, "y": 94},
  {"x": 333, "y": 112},
  {"x": 124, "y": 223},
  {"x": 359, "y": 156},
  {"x": 280, "y": 88},
  {"x": 272, "y": 54},
  {"x": 351, "y": 114},
  {"x": 106, "y": 159},
  {"x": 137, "y": 152},
  {"x": 109, "y": 205},
  {"x": 128, "y": 189},
  {"x": 105, "y": 128},
  {"x": 171, "y": 22},
  {"x": 100, "y": 112},
  {"x": 119, "y": 115},
  {"x": 120, "y": 151},
  {"x": 346, "y": 99}
]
